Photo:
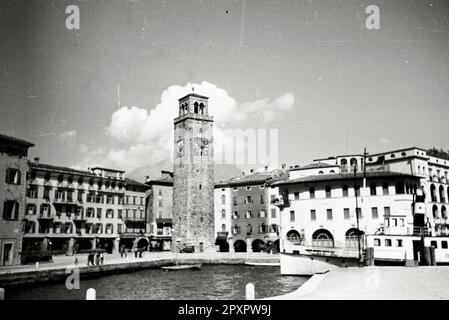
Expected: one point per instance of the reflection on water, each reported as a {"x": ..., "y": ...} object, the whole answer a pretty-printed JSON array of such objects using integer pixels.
[{"x": 212, "y": 282}]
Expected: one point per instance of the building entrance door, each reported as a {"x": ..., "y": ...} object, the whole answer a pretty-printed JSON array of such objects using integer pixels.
[{"x": 7, "y": 254}]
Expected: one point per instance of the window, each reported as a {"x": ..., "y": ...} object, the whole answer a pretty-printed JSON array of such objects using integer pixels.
[
  {"x": 274, "y": 228},
  {"x": 223, "y": 213},
  {"x": 377, "y": 242},
  {"x": 248, "y": 188},
  {"x": 399, "y": 243},
  {"x": 374, "y": 213},
  {"x": 235, "y": 201},
  {"x": 313, "y": 215},
  {"x": 372, "y": 188},
  {"x": 69, "y": 195},
  {"x": 262, "y": 214},
  {"x": 328, "y": 191},
  {"x": 273, "y": 213},
  {"x": 263, "y": 228},
  {"x": 223, "y": 199},
  {"x": 345, "y": 190},
  {"x": 357, "y": 190},
  {"x": 223, "y": 228},
  {"x": 110, "y": 200},
  {"x": 159, "y": 203},
  {"x": 99, "y": 213},
  {"x": 249, "y": 214},
  {"x": 443, "y": 244},
  {"x": 236, "y": 215},
  {"x": 359, "y": 212},
  {"x": 262, "y": 200},
  {"x": 59, "y": 195},
  {"x": 292, "y": 216},
  {"x": 110, "y": 214},
  {"x": 134, "y": 200},
  {"x": 312, "y": 193},
  {"x": 388, "y": 242},
  {"x": 385, "y": 189},
  {"x": 236, "y": 229},
  {"x": 249, "y": 199},
  {"x": 12, "y": 176},
  {"x": 90, "y": 212},
  {"x": 160, "y": 192},
  {"x": 433, "y": 244},
  {"x": 99, "y": 198},
  {"x": 120, "y": 199},
  {"x": 386, "y": 211},
  {"x": 296, "y": 195},
  {"x": 329, "y": 214},
  {"x": 46, "y": 194},
  {"x": 31, "y": 209},
  {"x": 10, "y": 210},
  {"x": 32, "y": 192},
  {"x": 142, "y": 201},
  {"x": 109, "y": 228},
  {"x": 394, "y": 222},
  {"x": 120, "y": 213},
  {"x": 79, "y": 196},
  {"x": 321, "y": 172},
  {"x": 346, "y": 213}
]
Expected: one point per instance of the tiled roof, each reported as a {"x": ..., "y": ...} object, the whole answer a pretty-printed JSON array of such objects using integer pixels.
[
  {"x": 15, "y": 140},
  {"x": 165, "y": 181},
  {"x": 315, "y": 165},
  {"x": 253, "y": 178},
  {"x": 135, "y": 183},
  {"x": 48, "y": 167},
  {"x": 346, "y": 176}
]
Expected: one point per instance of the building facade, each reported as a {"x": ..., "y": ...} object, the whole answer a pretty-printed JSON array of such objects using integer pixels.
[
  {"x": 246, "y": 219},
  {"x": 160, "y": 210},
  {"x": 336, "y": 208},
  {"x": 13, "y": 186},
  {"x": 193, "y": 181},
  {"x": 134, "y": 233},
  {"x": 73, "y": 211}
]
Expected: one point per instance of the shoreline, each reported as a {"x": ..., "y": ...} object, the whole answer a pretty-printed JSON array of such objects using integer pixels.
[{"x": 58, "y": 272}]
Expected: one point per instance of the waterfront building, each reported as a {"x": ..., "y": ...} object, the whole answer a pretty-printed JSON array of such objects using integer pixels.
[
  {"x": 13, "y": 185},
  {"x": 193, "y": 180},
  {"x": 160, "y": 210},
  {"x": 321, "y": 198},
  {"x": 134, "y": 233},
  {"x": 323, "y": 208},
  {"x": 246, "y": 220},
  {"x": 434, "y": 174},
  {"x": 73, "y": 211}
]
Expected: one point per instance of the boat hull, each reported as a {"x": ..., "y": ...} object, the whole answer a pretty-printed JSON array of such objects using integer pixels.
[
  {"x": 307, "y": 264},
  {"x": 182, "y": 267},
  {"x": 263, "y": 264}
]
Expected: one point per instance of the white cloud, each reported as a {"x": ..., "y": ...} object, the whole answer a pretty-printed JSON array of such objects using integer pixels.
[
  {"x": 67, "y": 136},
  {"x": 146, "y": 136}
]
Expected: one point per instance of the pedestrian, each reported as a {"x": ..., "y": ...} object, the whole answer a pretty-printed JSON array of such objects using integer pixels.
[
  {"x": 135, "y": 252},
  {"x": 122, "y": 251},
  {"x": 140, "y": 252},
  {"x": 76, "y": 261},
  {"x": 97, "y": 260},
  {"x": 88, "y": 259},
  {"x": 102, "y": 258}
]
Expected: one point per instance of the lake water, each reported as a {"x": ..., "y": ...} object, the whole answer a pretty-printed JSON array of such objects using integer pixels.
[{"x": 211, "y": 282}]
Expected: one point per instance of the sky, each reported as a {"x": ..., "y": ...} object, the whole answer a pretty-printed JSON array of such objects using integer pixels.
[{"x": 309, "y": 69}]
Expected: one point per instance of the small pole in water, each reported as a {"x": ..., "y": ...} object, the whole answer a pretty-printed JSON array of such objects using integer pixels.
[
  {"x": 90, "y": 294},
  {"x": 249, "y": 291},
  {"x": 37, "y": 265},
  {"x": 2, "y": 294}
]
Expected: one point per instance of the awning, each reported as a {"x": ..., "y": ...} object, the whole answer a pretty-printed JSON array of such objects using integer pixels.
[{"x": 222, "y": 236}]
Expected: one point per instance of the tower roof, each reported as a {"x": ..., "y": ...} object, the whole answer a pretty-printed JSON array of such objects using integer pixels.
[{"x": 193, "y": 95}]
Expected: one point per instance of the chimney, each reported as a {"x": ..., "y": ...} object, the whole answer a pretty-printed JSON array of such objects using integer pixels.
[
  {"x": 266, "y": 168},
  {"x": 284, "y": 166},
  {"x": 252, "y": 170},
  {"x": 243, "y": 172},
  {"x": 147, "y": 178},
  {"x": 36, "y": 159}
]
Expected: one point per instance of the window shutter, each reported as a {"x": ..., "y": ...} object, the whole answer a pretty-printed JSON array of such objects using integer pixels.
[{"x": 16, "y": 210}]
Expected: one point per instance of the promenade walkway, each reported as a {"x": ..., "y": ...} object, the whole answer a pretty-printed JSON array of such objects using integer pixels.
[
  {"x": 375, "y": 283},
  {"x": 110, "y": 259}
]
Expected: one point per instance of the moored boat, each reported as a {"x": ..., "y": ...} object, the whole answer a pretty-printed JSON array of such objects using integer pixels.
[
  {"x": 263, "y": 264},
  {"x": 182, "y": 267}
]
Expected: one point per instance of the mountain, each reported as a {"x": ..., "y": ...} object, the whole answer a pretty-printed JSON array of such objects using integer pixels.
[{"x": 222, "y": 171}]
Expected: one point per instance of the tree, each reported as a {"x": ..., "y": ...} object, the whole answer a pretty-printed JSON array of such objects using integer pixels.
[{"x": 440, "y": 153}]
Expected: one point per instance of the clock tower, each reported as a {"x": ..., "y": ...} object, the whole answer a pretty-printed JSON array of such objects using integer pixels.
[{"x": 193, "y": 168}]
